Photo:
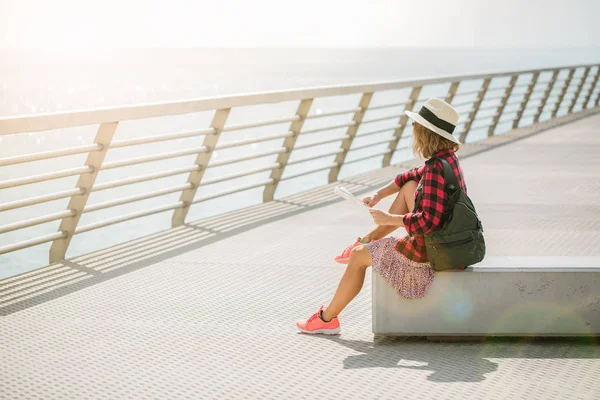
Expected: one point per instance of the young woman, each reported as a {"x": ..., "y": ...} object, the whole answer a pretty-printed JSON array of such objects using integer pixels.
[{"x": 402, "y": 262}]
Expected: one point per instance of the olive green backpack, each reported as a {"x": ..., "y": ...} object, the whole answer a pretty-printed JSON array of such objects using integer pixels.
[{"x": 458, "y": 242}]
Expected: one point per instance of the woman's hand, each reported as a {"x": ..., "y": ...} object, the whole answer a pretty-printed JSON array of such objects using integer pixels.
[
  {"x": 383, "y": 218},
  {"x": 372, "y": 200}
]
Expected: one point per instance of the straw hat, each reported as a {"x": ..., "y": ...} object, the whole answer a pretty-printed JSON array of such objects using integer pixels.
[{"x": 438, "y": 116}]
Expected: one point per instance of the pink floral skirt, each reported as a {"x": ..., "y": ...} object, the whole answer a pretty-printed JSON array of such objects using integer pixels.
[{"x": 410, "y": 279}]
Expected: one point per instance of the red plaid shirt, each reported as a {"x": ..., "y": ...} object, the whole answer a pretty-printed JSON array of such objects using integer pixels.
[{"x": 428, "y": 216}]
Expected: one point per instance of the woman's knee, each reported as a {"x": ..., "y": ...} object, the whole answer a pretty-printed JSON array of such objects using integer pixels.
[
  {"x": 408, "y": 193},
  {"x": 409, "y": 187},
  {"x": 360, "y": 257}
]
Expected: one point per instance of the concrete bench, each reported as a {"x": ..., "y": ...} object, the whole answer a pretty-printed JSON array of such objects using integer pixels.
[{"x": 507, "y": 296}]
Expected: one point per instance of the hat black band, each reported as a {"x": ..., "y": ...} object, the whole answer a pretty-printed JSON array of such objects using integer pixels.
[{"x": 433, "y": 119}]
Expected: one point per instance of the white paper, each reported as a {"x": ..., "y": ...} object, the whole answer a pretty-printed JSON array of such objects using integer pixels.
[{"x": 345, "y": 193}]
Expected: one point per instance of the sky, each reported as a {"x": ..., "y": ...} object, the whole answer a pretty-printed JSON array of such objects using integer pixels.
[{"x": 66, "y": 24}]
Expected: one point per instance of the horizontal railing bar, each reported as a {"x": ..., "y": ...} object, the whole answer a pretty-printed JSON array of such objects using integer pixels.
[
  {"x": 315, "y": 157},
  {"x": 36, "y": 221},
  {"x": 49, "y": 154},
  {"x": 539, "y": 90},
  {"x": 505, "y": 111},
  {"x": 469, "y": 93},
  {"x": 494, "y": 98},
  {"x": 424, "y": 99},
  {"x": 513, "y": 103},
  {"x": 320, "y": 142},
  {"x": 366, "y": 146},
  {"x": 533, "y": 98},
  {"x": 156, "y": 157},
  {"x": 368, "y": 121},
  {"x": 231, "y": 191},
  {"x": 468, "y": 114},
  {"x": 240, "y": 174},
  {"x": 479, "y": 126},
  {"x": 516, "y": 94},
  {"x": 229, "y": 128},
  {"x": 392, "y": 128},
  {"x": 160, "y": 138},
  {"x": 529, "y": 114},
  {"x": 45, "y": 177},
  {"x": 486, "y": 108},
  {"x": 381, "y": 107},
  {"x": 402, "y": 148},
  {"x": 213, "y": 164},
  {"x": 483, "y": 118},
  {"x": 32, "y": 242},
  {"x": 308, "y": 172},
  {"x": 42, "y": 122},
  {"x": 41, "y": 199},
  {"x": 491, "y": 89},
  {"x": 571, "y": 93},
  {"x": 139, "y": 214},
  {"x": 332, "y": 113},
  {"x": 144, "y": 178},
  {"x": 367, "y": 157},
  {"x": 464, "y": 103},
  {"x": 254, "y": 140},
  {"x": 328, "y": 128},
  {"x": 509, "y": 114},
  {"x": 137, "y": 197},
  {"x": 524, "y": 85}
]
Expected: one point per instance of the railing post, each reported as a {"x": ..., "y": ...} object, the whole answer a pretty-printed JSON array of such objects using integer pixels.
[
  {"x": 592, "y": 87},
  {"x": 578, "y": 91},
  {"x": 562, "y": 92},
  {"x": 476, "y": 105},
  {"x": 412, "y": 100},
  {"x": 525, "y": 100},
  {"x": 202, "y": 159},
  {"x": 104, "y": 136},
  {"x": 549, "y": 88},
  {"x": 452, "y": 92},
  {"x": 346, "y": 143},
  {"x": 289, "y": 143},
  {"x": 502, "y": 106}
]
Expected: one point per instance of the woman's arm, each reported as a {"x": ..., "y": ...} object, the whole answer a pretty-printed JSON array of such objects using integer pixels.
[
  {"x": 383, "y": 218},
  {"x": 394, "y": 186},
  {"x": 388, "y": 190},
  {"x": 432, "y": 206},
  {"x": 414, "y": 174}
]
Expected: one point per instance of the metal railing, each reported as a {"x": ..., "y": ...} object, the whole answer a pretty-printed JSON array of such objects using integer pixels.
[{"x": 512, "y": 97}]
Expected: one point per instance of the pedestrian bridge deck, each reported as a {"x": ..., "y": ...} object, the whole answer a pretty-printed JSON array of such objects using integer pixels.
[{"x": 207, "y": 310}]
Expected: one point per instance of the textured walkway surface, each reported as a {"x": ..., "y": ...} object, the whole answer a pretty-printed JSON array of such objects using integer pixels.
[{"x": 207, "y": 310}]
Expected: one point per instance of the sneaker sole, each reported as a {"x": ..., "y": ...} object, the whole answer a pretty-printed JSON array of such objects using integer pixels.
[
  {"x": 321, "y": 331},
  {"x": 341, "y": 260}
]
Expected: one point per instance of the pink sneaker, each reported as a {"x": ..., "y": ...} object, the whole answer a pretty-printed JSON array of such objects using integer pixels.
[
  {"x": 345, "y": 256},
  {"x": 315, "y": 325}
]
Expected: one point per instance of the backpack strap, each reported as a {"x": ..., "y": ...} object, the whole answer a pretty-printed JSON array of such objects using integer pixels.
[{"x": 450, "y": 181}]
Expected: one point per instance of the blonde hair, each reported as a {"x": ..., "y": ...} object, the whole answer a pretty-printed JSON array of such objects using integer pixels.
[{"x": 428, "y": 143}]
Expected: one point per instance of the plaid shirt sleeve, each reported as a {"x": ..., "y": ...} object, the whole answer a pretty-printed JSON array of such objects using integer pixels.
[
  {"x": 429, "y": 215},
  {"x": 414, "y": 174}
]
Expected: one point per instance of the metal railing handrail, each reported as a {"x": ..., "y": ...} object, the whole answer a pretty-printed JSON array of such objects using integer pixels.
[
  {"x": 69, "y": 119},
  {"x": 571, "y": 91}
]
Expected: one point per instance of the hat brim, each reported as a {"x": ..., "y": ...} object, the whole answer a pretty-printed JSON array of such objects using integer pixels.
[{"x": 417, "y": 118}]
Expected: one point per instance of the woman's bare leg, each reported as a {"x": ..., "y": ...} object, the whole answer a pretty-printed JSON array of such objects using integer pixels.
[
  {"x": 404, "y": 203},
  {"x": 351, "y": 282}
]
